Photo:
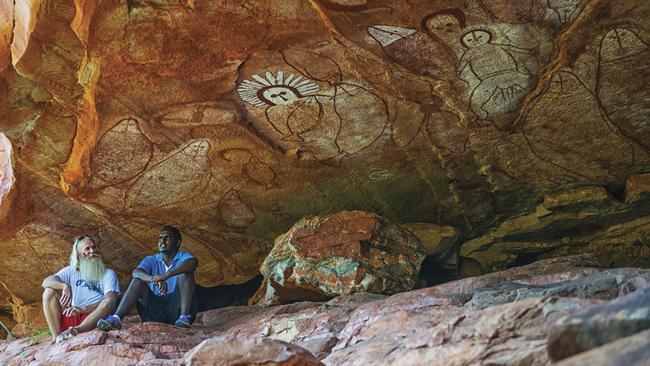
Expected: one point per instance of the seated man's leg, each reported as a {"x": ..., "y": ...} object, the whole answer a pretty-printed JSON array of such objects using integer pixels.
[
  {"x": 184, "y": 305},
  {"x": 136, "y": 292},
  {"x": 104, "y": 309},
  {"x": 185, "y": 284},
  {"x": 52, "y": 310}
]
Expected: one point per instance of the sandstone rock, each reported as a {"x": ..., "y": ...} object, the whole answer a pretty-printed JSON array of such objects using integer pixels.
[
  {"x": 636, "y": 186},
  {"x": 6, "y": 323},
  {"x": 633, "y": 351},
  {"x": 486, "y": 336},
  {"x": 313, "y": 326},
  {"x": 343, "y": 253},
  {"x": 581, "y": 219},
  {"x": 122, "y": 119},
  {"x": 438, "y": 241},
  {"x": 238, "y": 351},
  {"x": 600, "y": 324},
  {"x": 29, "y": 318},
  {"x": 7, "y": 177}
]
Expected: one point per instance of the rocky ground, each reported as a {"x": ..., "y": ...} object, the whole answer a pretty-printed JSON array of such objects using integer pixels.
[{"x": 566, "y": 310}]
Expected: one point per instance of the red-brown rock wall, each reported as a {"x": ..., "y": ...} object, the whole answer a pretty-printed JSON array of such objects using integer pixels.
[{"x": 233, "y": 120}]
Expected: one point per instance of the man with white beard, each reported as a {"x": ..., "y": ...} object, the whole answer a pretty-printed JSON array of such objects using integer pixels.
[{"x": 77, "y": 296}]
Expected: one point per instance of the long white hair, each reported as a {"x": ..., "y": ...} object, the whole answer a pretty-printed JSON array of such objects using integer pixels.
[
  {"x": 74, "y": 256},
  {"x": 91, "y": 269}
]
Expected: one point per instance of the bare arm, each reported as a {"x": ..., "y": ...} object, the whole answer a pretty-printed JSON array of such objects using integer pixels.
[
  {"x": 140, "y": 274},
  {"x": 188, "y": 266},
  {"x": 54, "y": 282}
]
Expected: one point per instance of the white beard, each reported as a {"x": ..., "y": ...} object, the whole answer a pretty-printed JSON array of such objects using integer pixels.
[{"x": 92, "y": 269}]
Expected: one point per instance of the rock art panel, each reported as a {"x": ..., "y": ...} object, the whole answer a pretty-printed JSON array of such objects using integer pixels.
[
  {"x": 563, "y": 11},
  {"x": 568, "y": 143},
  {"x": 121, "y": 153},
  {"x": 497, "y": 75},
  {"x": 198, "y": 114},
  {"x": 7, "y": 178},
  {"x": 275, "y": 89},
  {"x": 180, "y": 177},
  {"x": 236, "y": 209},
  {"x": 301, "y": 116},
  {"x": 621, "y": 85},
  {"x": 414, "y": 50}
]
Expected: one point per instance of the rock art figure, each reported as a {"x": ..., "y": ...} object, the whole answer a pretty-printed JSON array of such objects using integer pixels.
[
  {"x": 571, "y": 152},
  {"x": 46, "y": 244},
  {"x": 388, "y": 34},
  {"x": 236, "y": 209},
  {"x": 414, "y": 50},
  {"x": 254, "y": 170},
  {"x": 620, "y": 43},
  {"x": 445, "y": 25},
  {"x": 621, "y": 85},
  {"x": 180, "y": 177},
  {"x": 275, "y": 89},
  {"x": 565, "y": 10},
  {"x": 7, "y": 178},
  {"x": 497, "y": 81},
  {"x": 198, "y": 114},
  {"x": 329, "y": 125},
  {"x": 122, "y": 153}
]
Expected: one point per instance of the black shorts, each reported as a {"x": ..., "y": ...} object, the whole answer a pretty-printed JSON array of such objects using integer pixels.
[{"x": 165, "y": 309}]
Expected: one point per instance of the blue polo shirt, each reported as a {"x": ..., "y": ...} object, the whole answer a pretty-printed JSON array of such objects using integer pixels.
[{"x": 155, "y": 266}]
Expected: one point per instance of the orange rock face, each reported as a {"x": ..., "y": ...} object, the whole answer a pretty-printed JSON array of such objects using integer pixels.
[{"x": 233, "y": 120}]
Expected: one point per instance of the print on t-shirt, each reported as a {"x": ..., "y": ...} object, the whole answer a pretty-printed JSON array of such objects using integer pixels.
[{"x": 91, "y": 285}]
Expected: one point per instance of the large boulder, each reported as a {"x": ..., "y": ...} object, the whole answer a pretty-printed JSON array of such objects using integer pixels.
[
  {"x": 343, "y": 253},
  {"x": 629, "y": 351},
  {"x": 600, "y": 324}
]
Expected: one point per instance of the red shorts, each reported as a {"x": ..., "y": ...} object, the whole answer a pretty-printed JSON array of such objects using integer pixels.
[{"x": 71, "y": 321}]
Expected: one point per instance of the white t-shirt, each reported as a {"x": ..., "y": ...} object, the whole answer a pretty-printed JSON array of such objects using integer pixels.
[{"x": 86, "y": 293}]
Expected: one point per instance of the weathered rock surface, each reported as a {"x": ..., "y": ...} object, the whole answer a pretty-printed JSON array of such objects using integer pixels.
[
  {"x": 455, "y": 323},
  {"x": 570, "y": 221},
  {"x": 232, "y": 120},
  {"x": 630, "y": 351},
  {"x": 601, "y": 324},
  {"x": 343, "y": 253},
  {"x": 438, "y": 241},
  {"x": 236, "y": 351}
]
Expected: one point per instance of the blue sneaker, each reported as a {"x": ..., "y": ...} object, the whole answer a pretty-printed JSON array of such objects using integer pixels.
[
  {"x": 112, "y": 322},
  {"x": 184, "y": 321}
]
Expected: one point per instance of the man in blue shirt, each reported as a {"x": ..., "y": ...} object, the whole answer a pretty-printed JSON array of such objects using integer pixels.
[{"x": 162, "y": 286}]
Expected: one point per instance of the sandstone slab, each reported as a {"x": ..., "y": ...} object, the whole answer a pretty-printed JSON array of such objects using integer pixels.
[
  {"x": 601, "y": 324},
  {"x": 237, "y": 351},
  {"x": 633, "y": 351}
]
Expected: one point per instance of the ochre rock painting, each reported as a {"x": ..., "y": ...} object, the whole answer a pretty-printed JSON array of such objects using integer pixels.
[
  {"x": 233, "y": 120},
  {"x": 7, "y": 178}
]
